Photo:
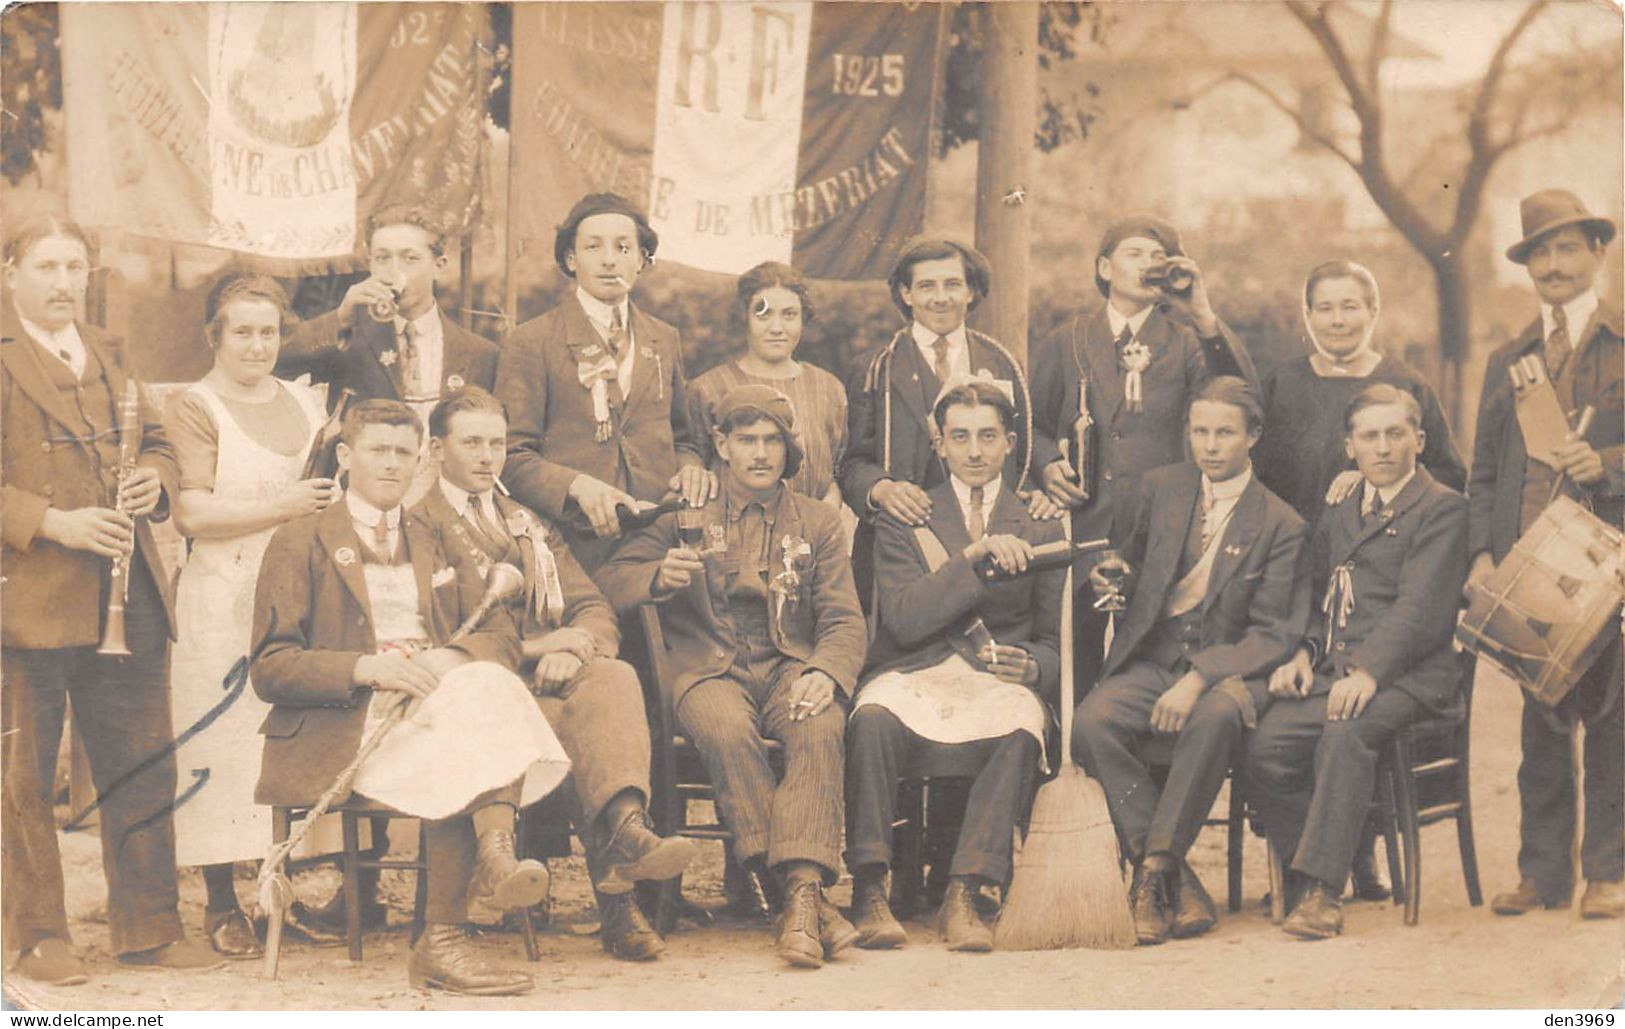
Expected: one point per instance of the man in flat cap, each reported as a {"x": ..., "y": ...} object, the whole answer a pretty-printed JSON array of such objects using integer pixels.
[
  {"x": 595, "y": 389},
  {"x": 1578, "y": 339},
  {"x": 765, "y": 639},
  {"x": 891, "y": 462},
  {"x": 1119, "y": 381}
]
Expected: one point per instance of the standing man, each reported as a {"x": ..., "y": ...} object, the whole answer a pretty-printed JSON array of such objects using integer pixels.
[
  {"x": 68, "y": 518},
  {"x": 595, "y": 390},
  {"x": 891, "y": 459},
  {"x": 1216, "y": 603},
  {"x": 1578, "y": 337},
  {"x": 1131, "y": 368},
  {"x": 1388, "y": 561},
  {"x": 963, "y": 672},
  {"x": 765, "y": 639},
  {"x": 570, "y": 642},
  {"x": 388, "y": 337}
]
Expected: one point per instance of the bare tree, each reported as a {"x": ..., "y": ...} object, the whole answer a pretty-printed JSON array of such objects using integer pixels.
[{"x": 1498, "y": 118}]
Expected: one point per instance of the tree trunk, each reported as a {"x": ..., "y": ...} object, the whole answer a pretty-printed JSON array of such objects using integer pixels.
[
  {"x": 1455, "y": 332},
  {"x": 1007, "y": 115}
]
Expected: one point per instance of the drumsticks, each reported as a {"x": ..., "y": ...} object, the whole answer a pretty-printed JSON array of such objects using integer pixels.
[{"x": 1580, "y": 426}]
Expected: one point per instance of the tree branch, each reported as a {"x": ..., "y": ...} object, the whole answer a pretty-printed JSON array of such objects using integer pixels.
[
  {"x": 1305, "y": 126},
  {"x": 1379, "y": 47}
]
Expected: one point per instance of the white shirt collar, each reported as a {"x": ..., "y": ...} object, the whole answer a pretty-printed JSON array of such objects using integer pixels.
[
  {"x": 64, "y": 339},
  {"x": 1230, "y": 488},
  {"x": 1578, "y": 312},
  {"x": 600, "y": 312},
  {"x": 363, "y": 513},
  {"x": 1387, "y": 493},
  {"x": 459, "y": 497},
  {"x": 927, "y": 339},
  {"x": 990, "y": 495},
  {"x": 1117, "y": 319},
  {"x": 427, "y": 324}
]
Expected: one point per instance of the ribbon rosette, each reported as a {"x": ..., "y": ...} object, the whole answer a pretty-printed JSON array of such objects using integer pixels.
[
  {"x": 595, "y": 368},
  {"x": 549, "y": 598},
  {"x": 1136, "y": 358},
  {"x": 795, "y": 554}
]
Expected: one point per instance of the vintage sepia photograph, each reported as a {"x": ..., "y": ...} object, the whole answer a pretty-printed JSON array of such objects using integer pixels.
[{"x": 804, "y": 505}]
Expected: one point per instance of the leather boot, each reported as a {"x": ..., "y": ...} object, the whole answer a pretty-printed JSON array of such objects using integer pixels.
[
  {"x": 1526, "y": 897},
  {"x": 1602, "y": 900},
  {"x": 1194, "y": 912},
  {"x": 959, "y": 922},
  {"x": 328, "y": 918},
  {"x": 1148, "y": 900},
  {"x": 878, "y": 928},
  {"x": 1319, "y": 915},
  {"x": 625, "y": 932},
  {"x": 444, "y": 959},
  {"x": 799, "y": 929},
  {"x": 501, "y": 882},
  {"x": 632, "y": 853},
  {"x": 835, "y": 933}
]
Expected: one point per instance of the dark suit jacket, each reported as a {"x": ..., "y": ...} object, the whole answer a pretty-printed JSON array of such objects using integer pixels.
[
  {"x": 924, "y": 613},
  {"x": 1127, "y": 444},
  {"x": 824, "y": 629},
  {"x": 55, "y": 594},
  {"x": 347, "y": 356},
  {"x": 584, "y": 606},
  {"x": 1257, "y": 603},
  {"x": 551, "y": 424},
  {"x": 1408, "y": 569},
  {"x": 894, "y": 371},
  {"x": 313, "y": 622},
  {"x": 1495, "y": 490}
]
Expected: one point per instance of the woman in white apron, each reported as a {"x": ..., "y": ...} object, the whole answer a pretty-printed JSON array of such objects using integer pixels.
[{"x": 242, "y": 438}]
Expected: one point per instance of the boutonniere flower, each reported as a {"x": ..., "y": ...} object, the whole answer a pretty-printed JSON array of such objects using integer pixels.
[
  {"x": 1135, "y": 359},
  {"x": 344, "y": 556},
  {"x": 595, "y": 369},
  {"x": 386, "y": 357},
  {"x": 660, "y": 377},
  {"x": 795, "y": 556},
  {"x": 454, "y": 382}
]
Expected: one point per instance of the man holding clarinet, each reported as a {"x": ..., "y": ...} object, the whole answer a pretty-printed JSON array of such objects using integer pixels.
[{"x": 81, "y": 483}]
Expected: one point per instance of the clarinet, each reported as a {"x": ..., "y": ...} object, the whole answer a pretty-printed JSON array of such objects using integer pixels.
[{"x": 118, "y": 583}]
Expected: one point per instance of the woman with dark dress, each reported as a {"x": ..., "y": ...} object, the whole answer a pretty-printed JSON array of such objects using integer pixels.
[{"x": 1301, "y": 456}]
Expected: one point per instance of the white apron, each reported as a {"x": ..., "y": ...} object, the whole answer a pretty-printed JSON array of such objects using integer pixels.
[
  {"x": 478, "y": 731},
  {"x": 216, "y": 715},
  {"x": 953, "y": 702}
]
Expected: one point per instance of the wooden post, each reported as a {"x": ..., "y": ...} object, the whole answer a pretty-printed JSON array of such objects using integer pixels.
[{"x": 1007, "y": 118}]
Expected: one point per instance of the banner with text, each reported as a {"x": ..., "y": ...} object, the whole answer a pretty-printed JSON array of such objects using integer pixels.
[
  {"x": 789, "y": 131},
  {"x": 271, "y": 129}
]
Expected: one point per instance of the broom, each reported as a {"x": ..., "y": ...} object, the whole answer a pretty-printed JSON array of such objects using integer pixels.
[{"x": 1068, "y": 886}]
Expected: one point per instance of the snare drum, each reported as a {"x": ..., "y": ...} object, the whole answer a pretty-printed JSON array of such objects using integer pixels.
[{"x": 1547, "y": 612}]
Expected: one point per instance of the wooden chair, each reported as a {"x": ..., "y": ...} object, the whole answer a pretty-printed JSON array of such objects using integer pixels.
[
  {"x": 677, "y": 773},
  {"x": 352, "y": 860},
  {"x": 1425, "y": 776}
]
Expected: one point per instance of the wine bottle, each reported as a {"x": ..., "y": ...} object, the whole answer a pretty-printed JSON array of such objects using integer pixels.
[{"x": 1045, "y": 556}]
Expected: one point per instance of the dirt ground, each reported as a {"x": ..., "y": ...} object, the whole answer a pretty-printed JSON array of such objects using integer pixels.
[{"x": 1458, "y": 956}]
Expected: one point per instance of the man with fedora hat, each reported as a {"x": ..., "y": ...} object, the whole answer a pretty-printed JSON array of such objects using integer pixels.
[
  {"x": 1130, "y": 369},
  {"x": 1578, "y": 338},
  {"x": 595, "y": 389},
  {"x": 765, "y": 639},
  {"x": 891, "y": 462}
]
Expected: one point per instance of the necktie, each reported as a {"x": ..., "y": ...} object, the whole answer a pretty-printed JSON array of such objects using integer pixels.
[
  {"x": 1208, "y": 501},
  {"x": 977, "y": 524},
  {"x": 1125, "y": 337},
  {"x": 409, "y": 358},
  {"x": 483, "y": 525},
  {"x": 1558, "y": 346},
  {"x": 380, "y": 539},
  {"x": 940, "y": 363},
  {"x": 1374, "y": 514},
  {"x": 617, "y": 334}
]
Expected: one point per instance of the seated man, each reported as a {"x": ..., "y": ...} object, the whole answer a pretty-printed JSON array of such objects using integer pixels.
[
  {"x": 591, "y": 699},
  {"x": 358, "y": 611},
  {"x": 1390, "y": 560},
  {"x": 1216, "y": 602},
  {"x": 763, "y": 629},
  {"x": 961, "y": 670}
]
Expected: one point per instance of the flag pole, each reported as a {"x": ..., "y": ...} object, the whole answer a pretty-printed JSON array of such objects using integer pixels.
[{"x": 1007, "y": 119}]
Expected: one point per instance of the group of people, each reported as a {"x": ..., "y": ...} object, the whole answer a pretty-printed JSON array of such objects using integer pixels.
[{"x": 439, "y": 625}]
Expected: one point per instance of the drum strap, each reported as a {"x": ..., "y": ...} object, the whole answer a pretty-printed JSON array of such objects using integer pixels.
[{"x": 936, "y": 555}]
